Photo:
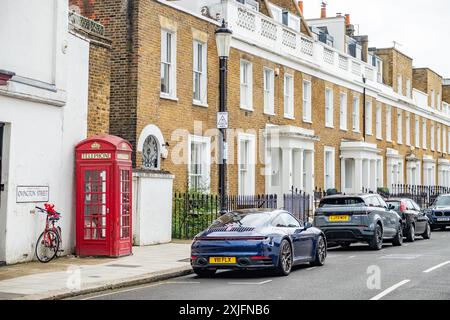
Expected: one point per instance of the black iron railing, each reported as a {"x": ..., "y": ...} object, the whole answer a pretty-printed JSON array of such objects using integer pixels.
[
  {"x": 423, "y": 195},
  {"x": 194, "y": 212},
  {"x": 300, "y": 204}
]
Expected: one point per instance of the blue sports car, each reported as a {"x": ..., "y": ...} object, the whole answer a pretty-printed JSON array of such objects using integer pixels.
[{"x": 257, "y": 239}]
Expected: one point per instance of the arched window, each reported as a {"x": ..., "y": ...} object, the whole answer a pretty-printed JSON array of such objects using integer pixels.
[{"x": 151, "y": 153}]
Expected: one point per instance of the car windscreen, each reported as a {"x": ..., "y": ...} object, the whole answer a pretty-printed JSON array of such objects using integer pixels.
[
  {"x": 341, "y": 202},
  {"x": 395, "y": 205},
  {"x": 241, "y": 219},
  {"x": 442, "y": 201}
]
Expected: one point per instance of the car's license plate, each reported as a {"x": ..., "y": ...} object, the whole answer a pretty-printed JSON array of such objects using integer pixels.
[
  {"x": 222, "y": 260},
  {"x": 443, "y": 219},
  {"x": 339, "y": 218}
]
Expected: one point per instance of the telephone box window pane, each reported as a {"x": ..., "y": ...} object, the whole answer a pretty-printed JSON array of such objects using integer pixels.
[
  {"x": 125, "y": 206},
  {"x": 95, "y": 204}
]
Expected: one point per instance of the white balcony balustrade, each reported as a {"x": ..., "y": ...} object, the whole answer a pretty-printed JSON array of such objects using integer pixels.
[{"x": 258, "y": 29}]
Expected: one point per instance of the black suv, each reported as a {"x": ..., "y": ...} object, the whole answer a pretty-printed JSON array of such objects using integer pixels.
[
  {"x": 358, "y": 218},
  {"x": 415, "y": 221},
  {"x": 439, "y": 213}
]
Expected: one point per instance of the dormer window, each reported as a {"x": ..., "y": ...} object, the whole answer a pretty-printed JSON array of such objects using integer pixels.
[
  {"x": 251, "y": 4},
  {"x": 285, "y": 17}
]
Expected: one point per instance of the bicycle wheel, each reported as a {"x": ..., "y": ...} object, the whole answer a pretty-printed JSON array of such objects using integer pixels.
[{"x": 47, "y": 246}]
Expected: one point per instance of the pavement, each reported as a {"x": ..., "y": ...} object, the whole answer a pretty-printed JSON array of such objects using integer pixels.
[
  {"x": 415, "y": 271},
  {"x": 70, "y": 276}
]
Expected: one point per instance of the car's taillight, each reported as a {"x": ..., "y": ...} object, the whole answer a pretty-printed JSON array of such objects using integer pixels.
[
  {"x": 194, "y": 257},
  {"x": 402, "y": 206}
]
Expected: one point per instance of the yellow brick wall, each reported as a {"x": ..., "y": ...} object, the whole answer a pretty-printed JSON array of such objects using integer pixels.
[{"x": 428, "y": 81}]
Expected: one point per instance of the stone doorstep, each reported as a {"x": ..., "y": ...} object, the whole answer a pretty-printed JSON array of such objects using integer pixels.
[{"x": 115, "y": 284}]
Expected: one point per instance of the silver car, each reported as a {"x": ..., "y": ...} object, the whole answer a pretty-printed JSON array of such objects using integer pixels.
[{"x": 347, "y": 219}]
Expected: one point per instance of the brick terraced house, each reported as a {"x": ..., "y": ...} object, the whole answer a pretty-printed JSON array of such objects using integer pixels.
[{"x": 311, "y": 104}]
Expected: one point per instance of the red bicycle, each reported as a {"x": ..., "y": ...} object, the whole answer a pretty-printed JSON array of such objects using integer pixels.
[{"x": 47, "y": 246}]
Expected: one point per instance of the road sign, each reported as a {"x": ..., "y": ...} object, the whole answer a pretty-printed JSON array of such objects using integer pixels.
[{"x": 222, "y": 120}]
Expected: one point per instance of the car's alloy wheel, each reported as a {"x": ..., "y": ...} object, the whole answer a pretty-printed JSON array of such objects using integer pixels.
[
  {"x": 321, "y": 252},
  {"x": 411, "y": 237},
  {"x": 285, "y": 259},
  {"x": 427, "y": 234},
  {"x": 398, "y": 240},
  {"x": 377, "y": 240}
]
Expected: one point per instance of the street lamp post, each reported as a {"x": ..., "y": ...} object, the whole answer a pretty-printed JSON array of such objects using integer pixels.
[
  {"x": 223, "y": 42},
  {"x": 364, "y": 107}
]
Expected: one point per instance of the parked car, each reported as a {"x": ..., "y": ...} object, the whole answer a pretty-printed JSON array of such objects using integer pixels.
[
  {"x": 347, "y": 219},
  {"x": 257, "y": 239},
  {"x": 415, "y": 221},
  {"x": 439, "y": 213}
]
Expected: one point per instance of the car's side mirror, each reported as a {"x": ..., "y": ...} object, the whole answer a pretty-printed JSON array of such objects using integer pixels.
[
  {"x": 308, "y": 226},
  {"x": 390, "y": 207}
]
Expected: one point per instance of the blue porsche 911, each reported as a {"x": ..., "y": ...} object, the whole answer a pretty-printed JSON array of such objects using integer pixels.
[{"x": 257, "y": 239}]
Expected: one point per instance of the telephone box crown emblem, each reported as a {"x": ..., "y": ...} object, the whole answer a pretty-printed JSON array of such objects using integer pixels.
[{"x": 95, "y": 146}]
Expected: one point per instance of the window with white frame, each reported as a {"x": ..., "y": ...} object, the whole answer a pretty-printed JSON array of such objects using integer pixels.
[
  {"x": 251, "y": 4},
  {"x": 408, "y": 129},
  {"x": 400, "y": 85},
  {"x": 378, "y": 120},
  {"x": 444, "y": 140},
  {"x": 343, "y": 111},
  {"x": 329, "y": 168},
  {"x": 448, "y": 140},
  {"x": 369, "y": 118},
  {"x": 408, "y": 88},
  {"x": 288, "y": 96},
  {"x": 199, "y": 163},
  {"x": 379, "y": 64},
  {"x": 269, "y": 91},
  {"x": 246, "y": 164},
  {"x": 355, "y": 114},
  {"x": 329, "y": 108},
  {"x": 432, "y": 133},
  {"x": 433, "y": 99},
  {"x": 424, "y": 134},
  {"x": 439, "y": 104},
  {"x": 168, "y": 64},
  {"x": 399, "y": 128},
  {"x": 417, "y": 133},
  {"x": 200, "y": 73},
  {"x": 307, "y": 112},
  {"x": 388, "y": 123},
  {"x": 246, "y": 85},
  {"x": 438, "y": 133}
]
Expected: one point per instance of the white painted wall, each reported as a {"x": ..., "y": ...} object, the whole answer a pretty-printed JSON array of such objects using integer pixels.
[
  {"x": 152, "y": 208},
  {"x": 45, "y": 109}
]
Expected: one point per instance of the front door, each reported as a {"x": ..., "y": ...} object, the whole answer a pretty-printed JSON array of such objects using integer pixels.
[{"x": 2, "y": 190}]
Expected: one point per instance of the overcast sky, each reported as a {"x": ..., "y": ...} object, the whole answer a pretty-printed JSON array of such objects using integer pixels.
[{"x": 422, "y": 27}]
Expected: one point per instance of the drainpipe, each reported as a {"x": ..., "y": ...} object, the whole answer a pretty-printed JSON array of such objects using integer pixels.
[{"x": 364, "y": 108}]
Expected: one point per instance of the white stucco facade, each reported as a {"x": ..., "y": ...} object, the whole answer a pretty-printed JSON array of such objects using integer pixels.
[{"x": 43, "y": 111}]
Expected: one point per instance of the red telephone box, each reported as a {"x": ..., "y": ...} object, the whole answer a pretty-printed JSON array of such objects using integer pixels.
[{"x": 103, "y": 197}]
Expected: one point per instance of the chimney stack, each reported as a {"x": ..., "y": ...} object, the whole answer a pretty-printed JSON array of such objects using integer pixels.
[
  {"x": 300, "y": 6},
  {"x": 323, "y": 10},
  {"x": 347, "y": 19}
]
